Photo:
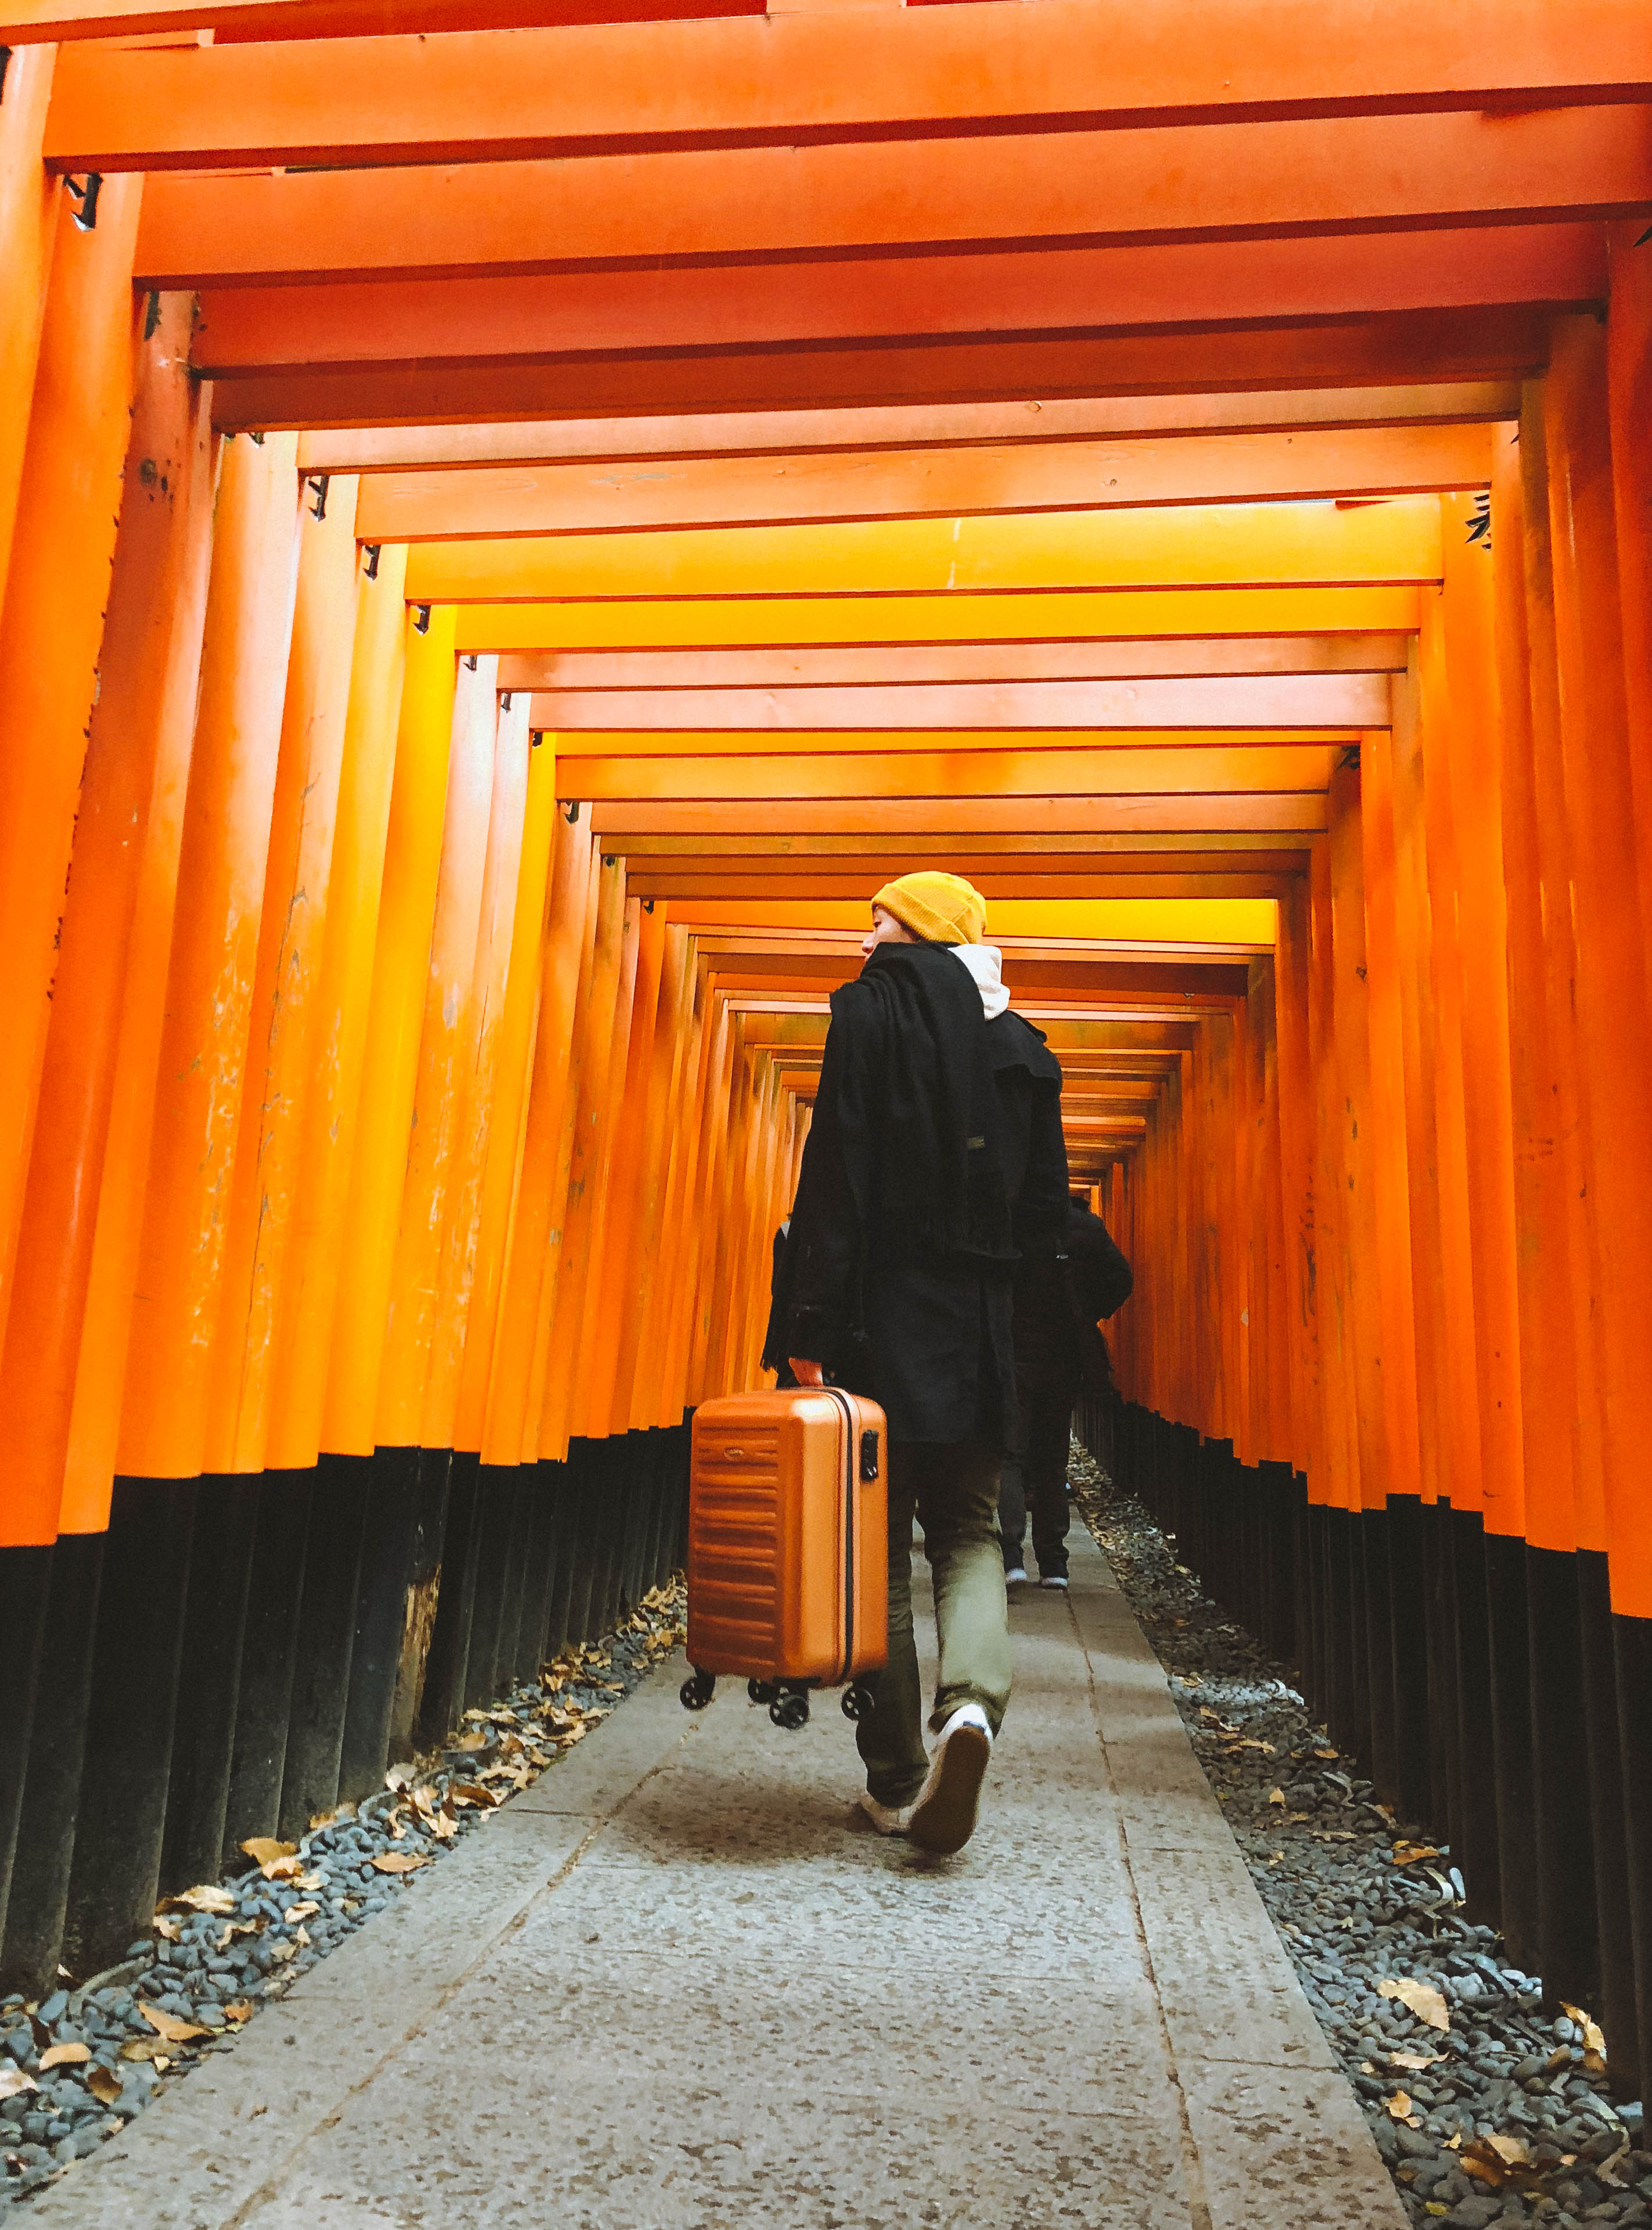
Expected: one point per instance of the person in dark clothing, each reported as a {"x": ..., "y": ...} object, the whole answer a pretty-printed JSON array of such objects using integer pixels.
[
  {"x": 1058, "y": 1350},
  {"x": 935, "y": 1161}
]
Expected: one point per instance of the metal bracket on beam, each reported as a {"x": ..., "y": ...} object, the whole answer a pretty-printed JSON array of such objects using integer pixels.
[
  {"x": 86, "y": 192},
  {"x": 421, "y": 619},
  {"x": 373, "y": 549},
  {"x": 317, "y": 482}
]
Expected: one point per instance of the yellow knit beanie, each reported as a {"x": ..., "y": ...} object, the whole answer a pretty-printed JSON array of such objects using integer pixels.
[{"x": 939, "y": 908}]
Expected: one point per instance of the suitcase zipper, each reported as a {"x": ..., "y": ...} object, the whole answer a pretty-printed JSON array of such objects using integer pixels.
[{"x": 850, "y": 1468}]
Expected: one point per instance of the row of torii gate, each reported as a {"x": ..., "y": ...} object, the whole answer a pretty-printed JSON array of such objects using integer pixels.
[{"x": 515, "y": 518}]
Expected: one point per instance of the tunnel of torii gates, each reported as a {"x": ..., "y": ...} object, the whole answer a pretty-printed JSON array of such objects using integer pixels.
[{"x": 516, "y": 519}]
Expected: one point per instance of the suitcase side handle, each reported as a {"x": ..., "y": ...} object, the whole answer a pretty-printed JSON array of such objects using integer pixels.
[{"x": 869, "y": 1464}]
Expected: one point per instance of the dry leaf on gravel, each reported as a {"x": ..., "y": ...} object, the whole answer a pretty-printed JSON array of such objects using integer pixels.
[
  {"x": 444, "y": 1825},
  {"x": 141, "y": 2047},
  {"x": 240, "y": 2011},
  {"x": 398, "y": 1862},
  {"x": 169, "y": 2026},
  {"x": 1414, "y": 2062},
  {"x": 1421, "y": 1998},
  {"x": 13, "y": 2082},
  {"x": 1514, "y": 2152},
  {"x": 205, "y": 1897},
  {"x": 1399, "y": 2105},
  {"x": 265, "y": 1847},
  {"x": 283, "y": 1951},
  {"x": 306, "y": 1910},
  {"x": 472, "y": 1792},
  {"x": 168, "y": 1931},
  {"x": 1592, "y": 2037},
  {"x": 1276, "y": 1796},
  {"x": 65, "y": 2055},
  {"x": 287, "y": 1870},
  {"x": 1409, "y": 1855},
  {"x": 103, "y": 2085}
]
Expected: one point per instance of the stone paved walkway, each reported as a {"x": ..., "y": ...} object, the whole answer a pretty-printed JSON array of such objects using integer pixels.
[{"x": 670, "y": 1988}]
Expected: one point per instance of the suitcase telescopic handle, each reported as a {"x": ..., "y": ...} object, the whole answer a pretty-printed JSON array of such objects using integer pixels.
[{"x": 868, "y": 1458}]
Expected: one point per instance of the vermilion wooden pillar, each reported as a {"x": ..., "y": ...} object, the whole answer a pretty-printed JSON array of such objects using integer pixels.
[
  {"x": 138, "y": 736},
  {"x": 290, "y": 1389},
  {"x": 509, "y": 1432},
  {"x": 51, "y": 624},
  {"x": 263, "y": 1204},
  {"x": 221, "y": 887},
  {"x": 28, "y": 198},
  {"x": 1615, "y": 1042}
]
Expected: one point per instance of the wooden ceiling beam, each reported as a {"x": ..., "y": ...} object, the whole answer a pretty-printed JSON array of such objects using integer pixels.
[
  {"x": 478, "y": 500},
  {"x": 792, "y": 432},
  {"x": 1208, "y": 545},
  {"x": 1152, "y": 187},
  {"x": 613, "y": 84},
  {"x": 1176, "y": 816},
  {"x": 905, "y": 665},
  {"x": 1189, "y": 776},
  {"x": 1492, "y": 340},
  {"x": 916, "y": 622},
  {"x": 256, "y": 326},
  {"x": 1200, "y": 702}
]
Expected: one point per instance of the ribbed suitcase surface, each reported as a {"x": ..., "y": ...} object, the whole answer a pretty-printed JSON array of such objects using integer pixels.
[{"x": 788, "y": 1534}]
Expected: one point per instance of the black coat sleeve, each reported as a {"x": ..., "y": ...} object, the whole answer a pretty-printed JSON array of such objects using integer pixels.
[
  {"x": 1040, "y": 1206},
  {"x": 1103, "y": 1278},
  {"x": 822, "y": 1306}
]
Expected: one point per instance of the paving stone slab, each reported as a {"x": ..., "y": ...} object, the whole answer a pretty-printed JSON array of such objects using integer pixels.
[{"x": 1287, "y": 2149}]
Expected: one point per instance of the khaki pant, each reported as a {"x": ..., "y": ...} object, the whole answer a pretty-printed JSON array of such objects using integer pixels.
[{"x": 952, "y": 1489}]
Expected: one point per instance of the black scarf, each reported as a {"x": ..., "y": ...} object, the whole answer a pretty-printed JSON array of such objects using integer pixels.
[{"x": 918, "y": 1112}]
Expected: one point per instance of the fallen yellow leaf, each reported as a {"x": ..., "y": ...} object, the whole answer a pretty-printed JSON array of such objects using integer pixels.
[
  {"x": 472, "y": 1792},
  {"x": 265, "y": 1847},
  {"x": 287, "y": 1869},
  {"x": 169, "y": 2026},
  {"x": 240, "y": 2011},
  {"x": 205, "y": 1897},
  {"x": 13, "y": 2081},
  {"x": 1513, "y": 2151},
  {"x": 65, "y": 2055},
  {"x": 398, "y": 1862},
  {"x": 306, "y": 1910},
  {"x": 1399, "y": 2105},
  {"x": 103, "y": 2085},
  {"x": 1593, "y": 2037},
  {"x": 1414, "y": 2060},
  {"x": 1421, "y": 1998},
  {"x": 1276, "y": 1796}
]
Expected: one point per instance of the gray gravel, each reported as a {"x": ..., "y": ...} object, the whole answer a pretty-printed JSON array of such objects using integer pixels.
[
  {"x": 1510, "y": 2119},
  {"x": 223, "y": 1950}
]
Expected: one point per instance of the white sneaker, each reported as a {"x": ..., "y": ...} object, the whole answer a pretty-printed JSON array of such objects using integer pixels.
[
  {"x": 943, "y": 1818},
  {"x": 1053, "y": 1580},
  {"x": 1016, "y": 1576},
  {"x": 884, "y": 1817}
]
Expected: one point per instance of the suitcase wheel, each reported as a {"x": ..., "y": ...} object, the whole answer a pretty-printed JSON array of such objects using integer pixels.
[
  {"x": 789, "y": 1710},
  {"x": 858, "y": 1700},
  {"x": 761, "y": 1691},
  {"x": 697, "y": 1691}
]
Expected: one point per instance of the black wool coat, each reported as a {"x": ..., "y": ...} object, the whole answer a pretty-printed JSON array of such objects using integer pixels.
[{"x": 935, "y": 1159}]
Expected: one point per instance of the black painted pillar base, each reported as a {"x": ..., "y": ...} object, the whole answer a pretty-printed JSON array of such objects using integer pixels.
[
  {"x": 1408, "y": 1616},
  {"x": 1632, "y": 1649},
  {"x": 1511, "y": 1701},
  {"x": 25, "y": 1589},
  {"x": 535, "y": 1547},
  {"x": 203, "y": 1723},
  {"x": 39, "y": 1876},
  {"x": 1615, "y": 2007},
  {"x": 122, "y": 1811},
  {"x": 269, "y": 1657},
  {"x": 498, "y": 1492},
  {"x": 442, "y": 1690},
  {"x": 1568, "y": 1957},
  {"x": 380, "y": 1612},
  {"x": 1476, "y": 1835},
  {"x": 558, "y": 1490},
  {"x": 435, "y": 1475},
  {"x": 326, "y": 1638}
]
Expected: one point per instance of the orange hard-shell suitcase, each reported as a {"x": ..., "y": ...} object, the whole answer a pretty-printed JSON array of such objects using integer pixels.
[{"x": 788, "y": 1547}]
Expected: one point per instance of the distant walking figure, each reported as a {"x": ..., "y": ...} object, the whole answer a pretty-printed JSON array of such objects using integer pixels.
[{"x": 934, "y": 1162}]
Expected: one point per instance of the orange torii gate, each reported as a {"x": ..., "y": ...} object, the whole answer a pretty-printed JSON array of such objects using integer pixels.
[{"x": 511, "y": 527}]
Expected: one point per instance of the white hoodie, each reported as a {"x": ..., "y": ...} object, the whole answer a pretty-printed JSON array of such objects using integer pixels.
[{"x": 984, "y": 963}]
